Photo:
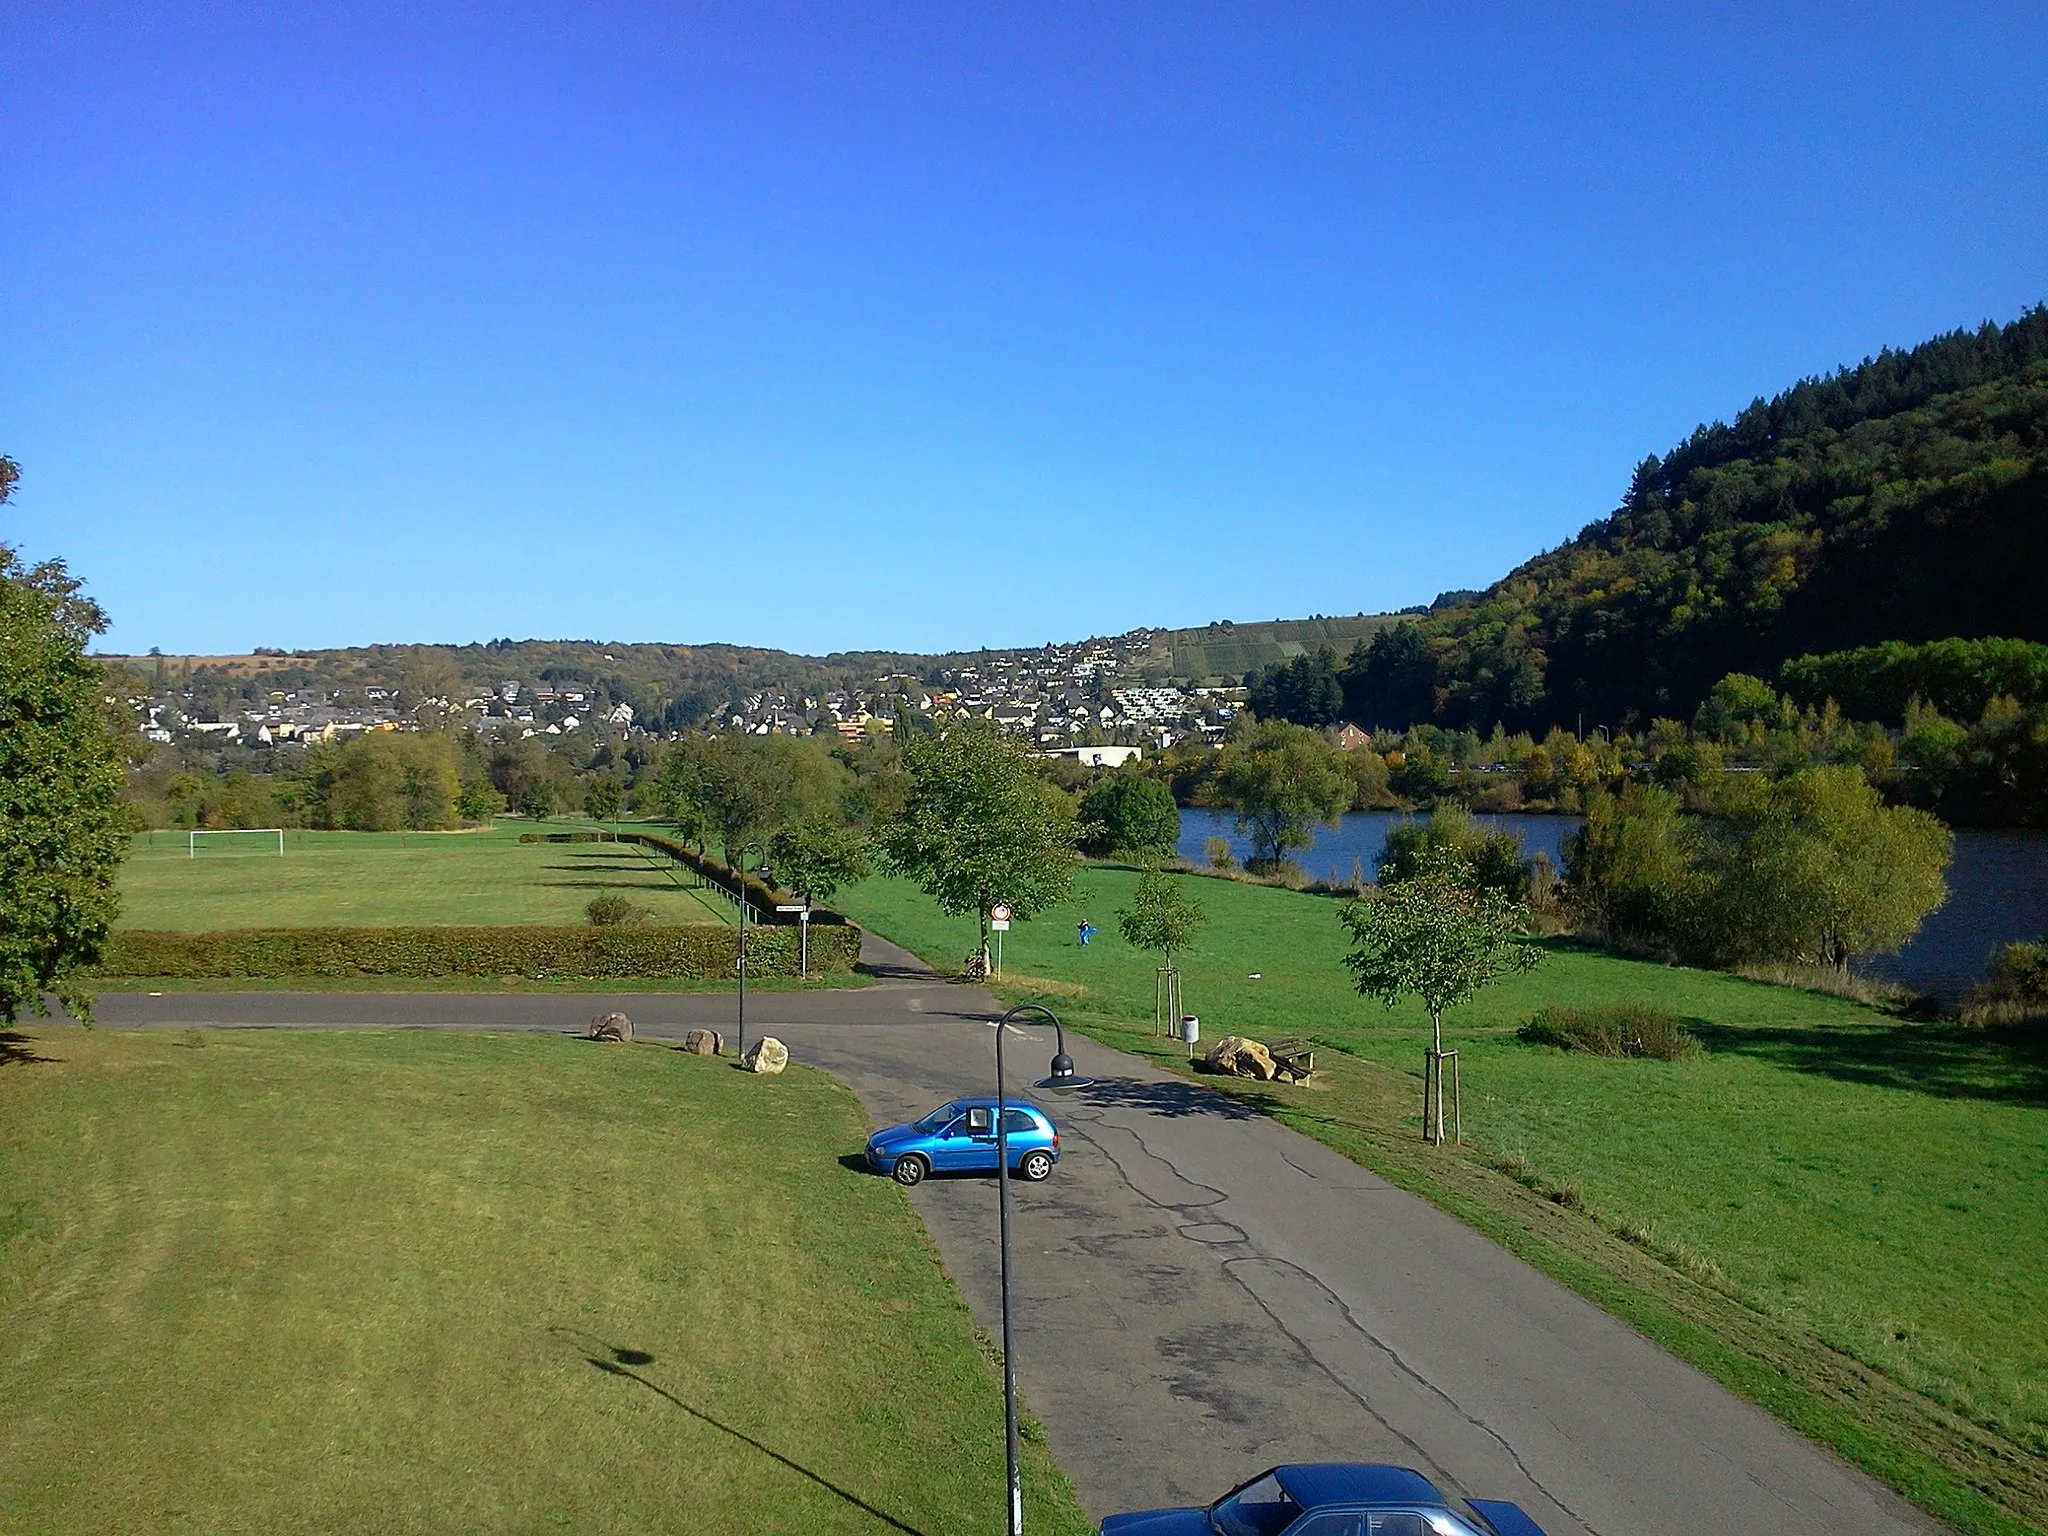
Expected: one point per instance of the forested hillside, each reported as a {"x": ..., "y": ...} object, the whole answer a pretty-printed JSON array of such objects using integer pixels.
[{"x": 1903, "y": 499}]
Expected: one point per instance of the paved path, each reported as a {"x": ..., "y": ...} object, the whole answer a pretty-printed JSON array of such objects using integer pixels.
[{"x": 1202, "y": 1292}]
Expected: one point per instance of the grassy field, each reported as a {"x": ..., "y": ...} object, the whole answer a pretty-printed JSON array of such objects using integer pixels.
[
  {"x": 394, "y": 879},
  {"x": 1842, "y": 1215},
  {"x": 418, "y": 1282}
]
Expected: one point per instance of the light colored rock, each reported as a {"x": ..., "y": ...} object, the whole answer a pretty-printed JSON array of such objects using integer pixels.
[
  {"x": 1236, "y": 1056},
  {"x": 703, "y": 1042},
  {"x": 612, "y": 1026},
  {"x": 766, "y": 1054}
]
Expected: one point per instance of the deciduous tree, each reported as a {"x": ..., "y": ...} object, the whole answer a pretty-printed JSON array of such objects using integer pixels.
[
  {"x": 1439, "y": 937},
  {"x": 978, "y": 826},
  {"x": 62, "y": 827},
  {"x": 1283, "y": 781}
]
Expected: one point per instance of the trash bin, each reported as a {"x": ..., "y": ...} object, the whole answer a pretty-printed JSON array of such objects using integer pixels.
[{"x": 1190, "y": 1032}]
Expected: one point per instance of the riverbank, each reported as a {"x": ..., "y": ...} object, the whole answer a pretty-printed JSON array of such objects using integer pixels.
[{"x": 1998, "y": 886}]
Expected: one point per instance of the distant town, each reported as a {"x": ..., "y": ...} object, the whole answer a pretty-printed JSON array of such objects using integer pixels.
[{"x": 1101, "y": 700}]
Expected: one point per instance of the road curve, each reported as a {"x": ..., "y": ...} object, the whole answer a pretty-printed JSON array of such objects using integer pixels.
[{"x": 1203, "y": 1292}]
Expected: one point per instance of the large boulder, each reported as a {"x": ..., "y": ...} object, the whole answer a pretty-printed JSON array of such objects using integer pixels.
[
  {"x": 612, "y": 1026},
  {"x": 766, "y": 1054},
  {"x": 1235, "y": 1056},
  {"x": 704, "y": 1042}
]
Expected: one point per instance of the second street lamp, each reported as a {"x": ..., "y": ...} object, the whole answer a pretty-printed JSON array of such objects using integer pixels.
[{"x": 1061, "y": 1080}]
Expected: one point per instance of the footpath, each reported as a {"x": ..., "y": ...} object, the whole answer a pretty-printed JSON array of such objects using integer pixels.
[{"x": 1202, "y": 1292}]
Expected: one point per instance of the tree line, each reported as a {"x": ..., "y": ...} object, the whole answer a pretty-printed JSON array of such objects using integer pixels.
[{"x": 1900, "y": 500}]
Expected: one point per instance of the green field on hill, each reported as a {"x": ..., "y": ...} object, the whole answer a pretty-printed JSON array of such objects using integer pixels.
[
  {"x": 407, "y": 1281},
  {"x": 485, "y": 878},
  {"x": 1831, "y": 1185}
]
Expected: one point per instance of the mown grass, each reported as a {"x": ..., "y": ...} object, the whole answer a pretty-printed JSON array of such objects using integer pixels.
[
  {"x": 419, "y": 1282},
  {"x": 485, "y": 878},
  {"x": 1840, "y": 1214}
]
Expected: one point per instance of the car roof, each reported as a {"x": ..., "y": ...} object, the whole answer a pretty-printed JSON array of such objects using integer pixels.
[
  {"x": 988, "y": 1101},
  {"x": 1314, "y": 1484}
]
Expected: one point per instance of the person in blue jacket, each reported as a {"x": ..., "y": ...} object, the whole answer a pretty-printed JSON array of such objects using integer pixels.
[{"x": 1086, "y": 930}]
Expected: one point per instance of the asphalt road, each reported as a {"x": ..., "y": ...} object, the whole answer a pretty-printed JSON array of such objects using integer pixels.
[{"x": 1202, "y": 1292}]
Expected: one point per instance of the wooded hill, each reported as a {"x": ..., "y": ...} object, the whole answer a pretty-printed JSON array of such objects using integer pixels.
[{"x": 1905, "y": 499}]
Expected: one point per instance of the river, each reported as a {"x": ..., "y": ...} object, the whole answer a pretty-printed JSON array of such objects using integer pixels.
[{"x": 1998, "y": 886}]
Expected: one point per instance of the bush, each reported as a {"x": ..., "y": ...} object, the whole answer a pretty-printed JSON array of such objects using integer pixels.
[
  {"x": 696, "y": 953},
  {"x": 1631, "y": 1029},
  {"x": 612, "y": 910}
]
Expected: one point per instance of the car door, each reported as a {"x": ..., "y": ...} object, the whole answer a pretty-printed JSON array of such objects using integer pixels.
[
  {"x": 968, "y": 1144},
  {"x": 978, "y": 1152}
]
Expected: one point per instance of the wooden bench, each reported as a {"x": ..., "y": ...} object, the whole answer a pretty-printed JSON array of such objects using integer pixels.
[{"x": 1293, "y": 1060}]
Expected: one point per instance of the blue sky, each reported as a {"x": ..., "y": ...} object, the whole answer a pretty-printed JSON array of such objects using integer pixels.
[{"x": 934, "y": 326}]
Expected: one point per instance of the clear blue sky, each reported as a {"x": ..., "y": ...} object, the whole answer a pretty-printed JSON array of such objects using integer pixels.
[{"x": 932, "y": 326}]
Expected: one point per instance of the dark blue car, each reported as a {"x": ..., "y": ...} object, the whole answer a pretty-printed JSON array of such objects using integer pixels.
[
  {"x": 1335, "y": 1498},
  {"x": 960, "y": 1137}
]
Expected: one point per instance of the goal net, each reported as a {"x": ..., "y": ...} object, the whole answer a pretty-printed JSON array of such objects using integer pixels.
[{"x": 262, "y": 839}]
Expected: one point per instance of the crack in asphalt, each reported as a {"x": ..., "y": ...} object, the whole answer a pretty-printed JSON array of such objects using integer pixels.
[{"x": 1351, "y": 1319}]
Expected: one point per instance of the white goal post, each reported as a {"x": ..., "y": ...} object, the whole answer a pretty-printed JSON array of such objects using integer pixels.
[{"x": 192, "y": 837}]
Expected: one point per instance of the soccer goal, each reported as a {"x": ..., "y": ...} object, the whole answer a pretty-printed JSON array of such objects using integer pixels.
[{"x": 192, "y": 837}]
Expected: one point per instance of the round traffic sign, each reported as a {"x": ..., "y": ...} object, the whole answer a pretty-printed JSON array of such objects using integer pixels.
[{"x": 1000, "y": 912}]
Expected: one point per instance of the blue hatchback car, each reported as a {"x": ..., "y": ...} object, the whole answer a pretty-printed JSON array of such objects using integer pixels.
[
  {"x": 960, "y": 1137},
  {"x": 1346, "y": 1498}
]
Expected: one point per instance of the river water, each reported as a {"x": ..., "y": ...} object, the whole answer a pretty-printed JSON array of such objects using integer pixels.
[{"x": 1998, "y": 886}]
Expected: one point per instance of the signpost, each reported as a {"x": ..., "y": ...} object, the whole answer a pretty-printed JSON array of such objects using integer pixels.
[{"x": 999, "y": 924}]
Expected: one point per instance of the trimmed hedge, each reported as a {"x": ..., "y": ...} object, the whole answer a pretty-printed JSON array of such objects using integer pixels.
[
  {"x": 764, "y": 898},
  {"x": 695, "y": 953}
]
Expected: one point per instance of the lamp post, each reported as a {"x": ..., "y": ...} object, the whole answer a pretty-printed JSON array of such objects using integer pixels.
[
  {"x": 1062, "y": 1080},
  {"x": 741, "y": 897}
]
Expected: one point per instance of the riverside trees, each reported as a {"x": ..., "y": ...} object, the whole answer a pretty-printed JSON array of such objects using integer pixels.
[
  {"x": 1283, "y": 781},
  {"x": 1811, "y": 869}
]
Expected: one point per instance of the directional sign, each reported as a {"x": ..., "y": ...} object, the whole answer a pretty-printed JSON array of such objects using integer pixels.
[{"x": 792, "y": 909}]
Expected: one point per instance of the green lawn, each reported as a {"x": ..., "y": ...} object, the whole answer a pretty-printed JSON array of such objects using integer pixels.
[
  {"x": 1831, "y": 1185},
  {"x": 394, "y": 879},
  {"x": 420, "y": 1282}
]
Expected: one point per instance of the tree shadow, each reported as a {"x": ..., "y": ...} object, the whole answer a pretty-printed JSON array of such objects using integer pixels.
[
  {"x": 1171, "y": 1099},
  {"x": 1949, "y": 1061},
  {"x": 17, "y": 1050},
  {"x": 625, "y": 1363}
]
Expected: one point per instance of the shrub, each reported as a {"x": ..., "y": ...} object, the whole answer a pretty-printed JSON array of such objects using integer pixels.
[
  {"x": 612, "y": 910},
  {"x": 698, "y": 952},
  {"x": 1630, "y": 1029}
]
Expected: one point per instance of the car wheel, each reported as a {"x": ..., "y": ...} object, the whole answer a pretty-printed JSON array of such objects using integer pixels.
[
  {"x": 910, "y": 1169},
  {"x": 1036, "y": 1165}
]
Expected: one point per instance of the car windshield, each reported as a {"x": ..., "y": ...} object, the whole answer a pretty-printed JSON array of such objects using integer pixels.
[
  {"x": 938, "y": 1119},
  {"x": 1257, "y": 1509}
]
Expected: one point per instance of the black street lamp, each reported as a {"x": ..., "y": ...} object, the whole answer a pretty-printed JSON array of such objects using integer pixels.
[
  {"x": 1062, "y": 1080},
  {"x": 741, "y": 897}
]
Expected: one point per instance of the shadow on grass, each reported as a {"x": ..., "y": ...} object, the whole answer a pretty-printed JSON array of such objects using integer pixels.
[
  {"x": 1948, "y": 1061},
  {"x": 626, "y": 1363},
  {"x": 17, "y": 1050}
]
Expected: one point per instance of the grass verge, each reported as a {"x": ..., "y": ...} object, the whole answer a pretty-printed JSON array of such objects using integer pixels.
[
  {"x": 408, "y": 1281},
  {"x": 1837, "y": 1214}
]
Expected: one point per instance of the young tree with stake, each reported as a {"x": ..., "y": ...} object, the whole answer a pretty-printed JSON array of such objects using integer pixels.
[{"x": 1435, "y": 935}]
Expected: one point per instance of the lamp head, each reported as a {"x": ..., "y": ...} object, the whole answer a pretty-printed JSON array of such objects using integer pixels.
[{"x": 1064, "y": 1079}]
